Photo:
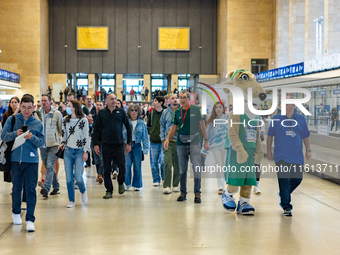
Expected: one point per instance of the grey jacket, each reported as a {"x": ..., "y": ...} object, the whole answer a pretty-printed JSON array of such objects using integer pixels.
[
  {"x": 52, "y": 123},
  {"x": 166, "y": 124}
]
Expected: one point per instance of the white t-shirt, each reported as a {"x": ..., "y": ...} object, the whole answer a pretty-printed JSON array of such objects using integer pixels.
[{"x": 134, "y": 124}]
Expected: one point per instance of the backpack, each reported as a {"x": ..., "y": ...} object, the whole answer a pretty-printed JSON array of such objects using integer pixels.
[{"x": 6, "y": 152}]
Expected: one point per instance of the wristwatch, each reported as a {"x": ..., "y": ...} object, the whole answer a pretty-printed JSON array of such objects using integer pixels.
[
  {"x": 205, "y": 139},
  {"x": 309, "y": 150}
]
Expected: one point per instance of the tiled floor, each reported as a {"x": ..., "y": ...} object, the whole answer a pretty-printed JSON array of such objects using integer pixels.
[{"x": 149, "y": 222}]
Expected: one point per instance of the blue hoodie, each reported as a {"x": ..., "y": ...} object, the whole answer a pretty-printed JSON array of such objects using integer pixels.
[{"x": 28, "y": 152}]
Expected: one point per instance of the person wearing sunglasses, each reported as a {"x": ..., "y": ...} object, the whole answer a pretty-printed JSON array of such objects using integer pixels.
[{"x": 134, "y": 157}]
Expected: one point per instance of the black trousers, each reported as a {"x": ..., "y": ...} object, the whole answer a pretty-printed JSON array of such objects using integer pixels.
[{"x": 113, "y": 152}]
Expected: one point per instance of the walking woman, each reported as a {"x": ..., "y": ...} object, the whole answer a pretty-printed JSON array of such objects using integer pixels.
[
  {"x": 216, "y": 137},
  {"x": 76, "y": 143},
  {"x": 13, "y": 109},
  {"x": 139, "y": 137}
]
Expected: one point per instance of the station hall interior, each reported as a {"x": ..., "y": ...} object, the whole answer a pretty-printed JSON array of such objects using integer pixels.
[{"x": 47, "y": 44}]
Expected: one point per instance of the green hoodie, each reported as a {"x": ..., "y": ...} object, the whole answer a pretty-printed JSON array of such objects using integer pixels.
[{"x": 154, "y": 126}]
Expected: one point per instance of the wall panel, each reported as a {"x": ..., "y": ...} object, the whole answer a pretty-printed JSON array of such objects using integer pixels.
[{"x": 133, "y": 23}]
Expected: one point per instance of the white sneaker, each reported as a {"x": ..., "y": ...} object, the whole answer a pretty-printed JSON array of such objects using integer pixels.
[
  {"x": 137, "y": 189},
  {"x": 71, "y": 204},
  {"x": 167, "y": 190},
  {"x": 156, "y": 184},
  {"x": 16, "y": 219},
  {"x": 30, "y": 226},
  {"x": 257, "y": 191},
  {"x": 127, "y": 187},
  {"x": 84, "y": 197},
  {"x": 175, "y": 189}
]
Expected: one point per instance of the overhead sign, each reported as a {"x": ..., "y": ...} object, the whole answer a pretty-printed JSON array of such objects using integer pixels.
[
  {"x": 336, "y": 91},
  {"x": 322, "y": 92},
  {"x": 173, "y": 38},
  {"x": 9, "y": 76},
  {"x": 282, "y": 72},
  {"x": 92, "y": 38}
]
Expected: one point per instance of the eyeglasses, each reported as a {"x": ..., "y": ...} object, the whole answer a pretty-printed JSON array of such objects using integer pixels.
[
  {"x": 183, "y": 97},
  {"x": 134, "y": 110}
]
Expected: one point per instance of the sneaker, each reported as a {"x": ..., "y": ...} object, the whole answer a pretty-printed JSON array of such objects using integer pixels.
[
  {"x": 257, "y": 191},
  {"x": 228, "y": 202},
  {"x": 71, "y": 204},
  {"x": 121, "y": 189},
  {"x": 84, "y": 197},
  {"x": 137, "y": 189},
  {"x": 197, "y": 199},
  {"x": 23, "y": 206},
  {"x": 155, "y": 184},
  {"x": 41, "y": 183},
  {"x": 107, "y": 195},
  {"x": 44, "y": 193},
  {"x": 127, "y": 187},
  {"x": 167, "y": 190},
  {"x": 55, "y": 192},
  {"x": 220, "y": 191},
  {"x": 175, "y": 189},
  {"x": 76, "y": 186},
  {"x": 16, "y": 219},
  {"x": 30, "y": 226},
  {"x": 100, "y": 179},
  {"x": 245, "y": 208},
  {"x": 182, "y": 197},
  {"x": 287, "y": 212},
  {"x": 114, "y": 175}
]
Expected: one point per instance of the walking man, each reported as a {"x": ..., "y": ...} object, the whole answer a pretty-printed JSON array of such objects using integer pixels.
[
  {"x": 288, "y": 152},
  {"x": 24, "y": 159},
  {"x": 52, "y": 122},
  {"x": 189, "y": 121},
  {"x": 170, "y": 155},
  {"x": 108, "y": 131}
]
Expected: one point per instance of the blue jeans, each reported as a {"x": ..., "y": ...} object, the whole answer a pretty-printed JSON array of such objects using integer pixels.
[
  {"x": 28, "y": 173},
  {"x": 48, "y": 157},
  {"x": 74, "y": 157},
  {"x": 288, "y": 181},
  {"x": 134, "y": 157},
  {"x": 98, "y": 159},
  {"x": 183, "y": 152},
  {"x": 157, "y": 159}
]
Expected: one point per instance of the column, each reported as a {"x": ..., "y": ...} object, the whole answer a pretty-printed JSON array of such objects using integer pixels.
[
  {"x": 119, "y": 86},
  {"x": 296, "y": 31},
  {"x": 91, "y": 82},
  {"x": 174, "y": 82}
]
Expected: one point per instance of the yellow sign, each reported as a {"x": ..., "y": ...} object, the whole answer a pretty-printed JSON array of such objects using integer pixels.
[
  {"x": 92, "y": 38},
  {"x": 174, "y": 39}
]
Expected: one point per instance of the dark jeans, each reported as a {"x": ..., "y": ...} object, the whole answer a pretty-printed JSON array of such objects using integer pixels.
[
  {"x": 115, "y": 152},
  {"x": 289, "y": 179},
  {"x": 258, "y": 172},
  {"x": 98, "y": 159},
  {"x": 24, "y": 173}
]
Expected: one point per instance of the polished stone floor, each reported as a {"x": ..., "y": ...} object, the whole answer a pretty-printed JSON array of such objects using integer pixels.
[{"x": 148, "y": 222}]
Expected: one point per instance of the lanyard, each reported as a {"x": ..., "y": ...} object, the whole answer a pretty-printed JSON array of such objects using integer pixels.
[{"x": 184, "y": 116}]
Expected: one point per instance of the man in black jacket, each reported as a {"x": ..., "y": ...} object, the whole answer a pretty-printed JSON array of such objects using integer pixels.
[{"x": 109, "y": 129}]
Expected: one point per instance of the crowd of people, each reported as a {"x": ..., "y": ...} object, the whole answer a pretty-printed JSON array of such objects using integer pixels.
[{"x": 116, "y": 136}]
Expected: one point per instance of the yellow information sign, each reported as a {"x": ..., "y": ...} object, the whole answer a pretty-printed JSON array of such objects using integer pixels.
[
  {"x": 174, "y": 38},
  {"x": 92, "y": 38}
]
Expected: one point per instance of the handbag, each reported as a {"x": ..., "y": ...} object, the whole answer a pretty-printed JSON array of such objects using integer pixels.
[
  {"x": 60, "y": 152},
  {"x": 6, "y": 152}
]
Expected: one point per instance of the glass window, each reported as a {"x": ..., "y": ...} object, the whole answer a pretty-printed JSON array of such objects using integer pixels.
[{"x": 183, "y": 84}]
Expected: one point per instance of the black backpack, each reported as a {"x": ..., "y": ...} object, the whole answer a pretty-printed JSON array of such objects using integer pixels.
[{"x": 6, "y": 152}]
